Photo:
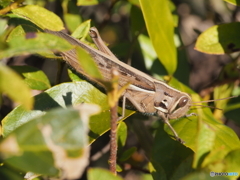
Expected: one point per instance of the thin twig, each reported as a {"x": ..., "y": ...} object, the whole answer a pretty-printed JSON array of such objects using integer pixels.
[
  {"x": 114, "y": 93},
  {"x": 113, "y": 96},
  {"x": 113, "y": 139}
]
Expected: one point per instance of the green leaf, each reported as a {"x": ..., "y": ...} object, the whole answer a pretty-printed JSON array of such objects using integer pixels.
[
  {"x": 157, "y": 172},
  {"x": 88, "y": 2},
  {"x": 71, "y": 14},
  {"x": 121, "y": 134},
  {"x": 211, "y": 142},
  {"x": 14, "y": 87},
  {"x": 51, "y": 142},
  {"x": 234, "y": 2},
  {"x": 218, "y": 40},
  {"x": 82, "y": 30},
  {"x": 207, "y": 134},
  {"x": 222, "y": 91},
  {"x": 61, "y": 96},
  {"x": 232, "y": 110},
  {"x": 7, "y": 172},
  {"x": 127, "y": 154},
  {"x": 87, "y": 63},
  {"x": 72, "y": 21},
  {"x": 147, "y": 50},
  {"x": 33, "y": 77},
  {"x": 170, "y": 161},
  {"x": 101, "y": 174},
  {"x": 73, "y": 75},
  {"x": 20, "y": 30},
  {"x": 118, "y": 168},
  {"x": 34, "y": 43},
  {"x": 205, "y": 139},
  {"x": 3, "y": 24},
  {"x": 184, "y": 167},
  {"x": 161, "y": 31},
  {"x": 40, "y": 16},
  {"x": 214, "y": 137},
  {"x": 5, "y": 3},
  {"x": 173, "y": 10},
  {"x": 219, "y": 161},
  {"x": 232, "y": 162}
]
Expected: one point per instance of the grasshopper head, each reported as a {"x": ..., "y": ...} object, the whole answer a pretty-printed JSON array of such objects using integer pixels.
[{"x": 175, "y": 106}]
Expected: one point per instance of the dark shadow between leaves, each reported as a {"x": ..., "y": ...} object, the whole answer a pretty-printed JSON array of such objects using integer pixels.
[
  {"x": 27, "y": 25},
  {"x": 201, "y": 159},
  {"x": 24, "y": 69},
  {"x": 68, "y": 98},
  {"x": 44, "y": 102},
  {"x": 93, "y": 135}
]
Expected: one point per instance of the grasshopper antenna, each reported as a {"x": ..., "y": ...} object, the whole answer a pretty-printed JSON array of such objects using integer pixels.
[{"x": 215, "y": 100}]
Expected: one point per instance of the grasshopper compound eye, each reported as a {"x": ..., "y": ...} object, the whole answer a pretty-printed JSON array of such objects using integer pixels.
[{"x": 183, "y": 102}]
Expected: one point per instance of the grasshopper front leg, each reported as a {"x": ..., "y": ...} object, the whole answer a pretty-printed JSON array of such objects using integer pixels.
[{"x": 166, "y": 120}]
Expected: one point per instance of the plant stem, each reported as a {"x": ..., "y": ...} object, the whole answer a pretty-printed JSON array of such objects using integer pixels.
[{"x": 113, "y": 139}]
